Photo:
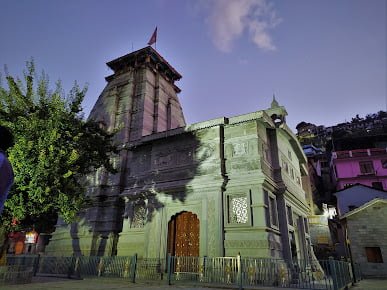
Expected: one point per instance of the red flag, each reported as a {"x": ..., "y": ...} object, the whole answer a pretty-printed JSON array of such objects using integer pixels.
[{"x": 153, "y": 38}]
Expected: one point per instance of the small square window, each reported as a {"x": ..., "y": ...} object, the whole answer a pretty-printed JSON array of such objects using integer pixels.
[
  {"x": 366, "y": 167},
  {"x": 374, "y": 255}
]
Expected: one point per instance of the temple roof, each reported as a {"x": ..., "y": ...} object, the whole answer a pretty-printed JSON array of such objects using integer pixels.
[{"x": 142, "y": 56}]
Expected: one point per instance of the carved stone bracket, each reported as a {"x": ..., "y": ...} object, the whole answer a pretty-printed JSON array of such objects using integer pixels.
[{"x": 247, "y": 244}]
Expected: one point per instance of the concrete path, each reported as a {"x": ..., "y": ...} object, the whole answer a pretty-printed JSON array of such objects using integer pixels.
[
  {"x": 371, "y": 284},
  {"x": 48, "y": 283},
  {"x": 44, "y": 283}
]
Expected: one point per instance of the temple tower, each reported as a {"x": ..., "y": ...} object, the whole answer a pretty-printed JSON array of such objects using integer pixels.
[{"x": 140, "y": 98}]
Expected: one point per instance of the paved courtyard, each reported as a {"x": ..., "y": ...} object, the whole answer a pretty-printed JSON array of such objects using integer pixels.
[
  {"x": 44, "y": 283},
  {"x": 369, "y": 284}
]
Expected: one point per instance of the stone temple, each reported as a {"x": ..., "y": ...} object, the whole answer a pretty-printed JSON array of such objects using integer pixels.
[{"x": 215, "y": 188}]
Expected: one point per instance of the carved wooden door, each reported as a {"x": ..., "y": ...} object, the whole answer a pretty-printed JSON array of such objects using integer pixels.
[{"x": 183, "y": 235}]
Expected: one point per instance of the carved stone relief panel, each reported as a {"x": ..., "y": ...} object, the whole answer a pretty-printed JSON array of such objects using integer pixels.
[
  {"x": 205, "y": 151},
  {"x": 170, "y": 158},
  {"x": 164, "y": 160},
  {"x": 239, "y": 149},
  {"x": 184, "y": 156},
  {"x": 141, "y": 161},
  {"x": 245, "y": 244},
  {"x": 212, "y": 229},
  {"x": 135, "y": 104}
]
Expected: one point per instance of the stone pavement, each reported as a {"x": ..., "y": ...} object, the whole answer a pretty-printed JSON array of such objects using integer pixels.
[
  {"x": 371, "y": 284},
  {"x": 48, "y": 283}
]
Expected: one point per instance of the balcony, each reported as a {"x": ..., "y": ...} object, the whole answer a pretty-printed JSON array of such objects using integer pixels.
[{"x": 359, "y": 153}]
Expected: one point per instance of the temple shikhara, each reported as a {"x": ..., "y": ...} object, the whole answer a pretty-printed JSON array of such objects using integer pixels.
[{"x": 216, "y": 188}]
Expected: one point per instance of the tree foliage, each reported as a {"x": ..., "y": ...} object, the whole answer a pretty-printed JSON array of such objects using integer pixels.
[{"x": 55, "y": 148}]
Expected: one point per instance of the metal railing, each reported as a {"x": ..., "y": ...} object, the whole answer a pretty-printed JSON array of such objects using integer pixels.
[
  {"x": 16, "y": 274},
  {"x": 228, "y": 271}
]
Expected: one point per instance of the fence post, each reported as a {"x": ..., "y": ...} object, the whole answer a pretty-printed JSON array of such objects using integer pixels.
[
  {"x": 71, "y": 267},
  {"x": 36, "y": 264},
  {"x": 333, "y": 269},
  {"x": 77, "y": 268},
  {"x": 239, "y": 265},
  {"x": 134, "y": 268},
  {"x": 100, "y": 267},
  {"x": 169, "y": 270}
]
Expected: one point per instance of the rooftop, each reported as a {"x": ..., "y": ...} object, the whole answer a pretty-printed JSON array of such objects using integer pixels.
[{"x": 141, "y": 56}]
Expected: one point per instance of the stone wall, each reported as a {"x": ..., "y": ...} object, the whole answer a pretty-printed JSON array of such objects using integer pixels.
[{"x": 368, "y": 228}]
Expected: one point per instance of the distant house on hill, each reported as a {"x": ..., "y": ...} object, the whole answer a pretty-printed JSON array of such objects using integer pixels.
[
  {"x": 364, "y": 166},
  {"x": 365, "y": 230}
]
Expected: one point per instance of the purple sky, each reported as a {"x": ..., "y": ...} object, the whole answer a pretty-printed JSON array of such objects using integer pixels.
[{"x": 324, "y": 60}]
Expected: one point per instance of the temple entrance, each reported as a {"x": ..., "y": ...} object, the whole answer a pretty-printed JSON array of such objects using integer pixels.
[{"x": 183, "y": 235}]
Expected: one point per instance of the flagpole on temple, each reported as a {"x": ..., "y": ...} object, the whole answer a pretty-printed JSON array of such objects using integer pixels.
[{"x": 153, "y": 38}]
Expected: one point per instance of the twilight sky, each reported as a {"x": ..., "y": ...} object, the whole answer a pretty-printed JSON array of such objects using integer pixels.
[{"x": 325, "y": 60}]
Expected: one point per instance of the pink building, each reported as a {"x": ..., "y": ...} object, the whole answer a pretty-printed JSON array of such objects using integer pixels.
[{"x": 364, "y": 166}]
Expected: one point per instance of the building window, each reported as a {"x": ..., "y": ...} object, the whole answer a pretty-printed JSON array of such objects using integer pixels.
[
  {"x": 374, "y": 255},
  {"x": 289, "y": 214},
  {"x": 348, "y": 185},
  {"x": 273, "y": 211},
  {"x": 286, "y": 166},
  {"x": 266, "y": 152},
  {"x": 306, "y": 225},
  {"x": 139, "y": 216},
  {"x": 366, "y": 167},
  {"x": 293, "y": 246},
  {"x": 237, "y": 209},
  {"x": 290, "y": 155},
  {"x": 384, "y": 163},
  {"x": 377, "y": 185}
]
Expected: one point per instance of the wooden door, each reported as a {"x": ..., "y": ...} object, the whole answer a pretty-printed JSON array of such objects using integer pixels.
[{"x": 183, "y": 235}]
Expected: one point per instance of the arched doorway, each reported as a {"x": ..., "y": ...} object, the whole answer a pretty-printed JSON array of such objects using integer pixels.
[{"x": 183, "y": 235}]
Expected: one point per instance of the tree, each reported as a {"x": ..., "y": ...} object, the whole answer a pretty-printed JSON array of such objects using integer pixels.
[{"x": 55, "y": 149}]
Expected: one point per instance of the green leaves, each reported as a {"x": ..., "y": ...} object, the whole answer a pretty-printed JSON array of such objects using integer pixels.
[{"x": 54, "y": 148}]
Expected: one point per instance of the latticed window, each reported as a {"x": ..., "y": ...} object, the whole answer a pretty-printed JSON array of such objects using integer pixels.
[
  {"x": 139, "y": 216},
  {"x": 238, "y": 209}
]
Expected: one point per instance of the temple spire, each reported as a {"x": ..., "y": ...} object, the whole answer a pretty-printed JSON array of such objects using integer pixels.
[{"x": 274, "y": 103}]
